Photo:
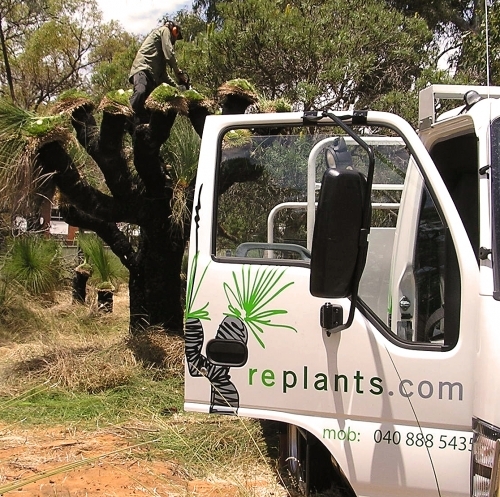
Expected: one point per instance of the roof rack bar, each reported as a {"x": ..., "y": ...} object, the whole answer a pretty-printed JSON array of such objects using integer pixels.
[{"x": 427, "y": 99}]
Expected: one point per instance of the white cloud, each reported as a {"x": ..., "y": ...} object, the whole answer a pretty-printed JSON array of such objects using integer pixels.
[{"x": 139, "y": 16}]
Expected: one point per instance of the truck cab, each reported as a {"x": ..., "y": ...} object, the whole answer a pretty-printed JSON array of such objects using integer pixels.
[{"x": 343, "y": 281}]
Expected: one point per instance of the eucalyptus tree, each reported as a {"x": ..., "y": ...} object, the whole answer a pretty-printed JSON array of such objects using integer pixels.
[
  {"x": 317, "y": 53},
  {"x": 114, "y": 53},
  {"x": 49, "y": 46},
  {"x": 18, "y": 18},
  {"x": 471, "y": 57},
  {"x": 459, "y": 27}
]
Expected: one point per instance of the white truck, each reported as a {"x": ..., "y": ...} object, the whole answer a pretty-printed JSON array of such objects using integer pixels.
[{"x": 384, "y": 374}]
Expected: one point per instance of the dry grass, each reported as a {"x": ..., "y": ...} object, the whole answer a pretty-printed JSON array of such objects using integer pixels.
[
  {"x": 77, "y": 347},
  {"x": 70, "y": 365},
  {"x": 159, "y": 350},
  {"x": 91, "y": 368}
]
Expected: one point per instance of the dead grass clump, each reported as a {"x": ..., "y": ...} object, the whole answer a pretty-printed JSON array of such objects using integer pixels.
[
  {"x": 155, "y": 348},
  {"x": 70, "y": 319},
  {"x": 21, "y": 320},
  {"x": 90, "y": 368}
]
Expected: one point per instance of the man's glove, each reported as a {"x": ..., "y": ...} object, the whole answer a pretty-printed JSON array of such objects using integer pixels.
[{"x": 183, "y": 79}]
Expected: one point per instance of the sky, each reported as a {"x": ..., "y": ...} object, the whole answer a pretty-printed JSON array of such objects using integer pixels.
[{"x": 139, "y": 16}]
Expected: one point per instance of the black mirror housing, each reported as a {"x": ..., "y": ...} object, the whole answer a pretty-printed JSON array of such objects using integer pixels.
[{"x": 337, "y": 234}]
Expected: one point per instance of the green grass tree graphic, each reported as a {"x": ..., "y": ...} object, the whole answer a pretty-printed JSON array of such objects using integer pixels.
[{"x": 249, "y": 296}]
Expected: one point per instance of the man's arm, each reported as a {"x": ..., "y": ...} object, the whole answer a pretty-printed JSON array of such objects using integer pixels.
[{"x": 169, "y": 53}]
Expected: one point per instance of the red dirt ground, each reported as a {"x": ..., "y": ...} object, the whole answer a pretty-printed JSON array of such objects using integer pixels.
[{"x": 31, "y": 453}]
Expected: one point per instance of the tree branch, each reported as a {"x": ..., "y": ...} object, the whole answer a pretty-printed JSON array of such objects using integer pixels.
[
  {"x": 147, "y": 142},
  {"x": 55, "y": 160},
  {"x": 109, "y": 232},
  {"x": 238, "y": 170},
  {"x": 106, "y": 148}
]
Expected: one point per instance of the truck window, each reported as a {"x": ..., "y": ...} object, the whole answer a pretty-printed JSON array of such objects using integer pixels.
[
  {"x": 262, "y": 197},
  {"x": 268, "y": 181},
  {"x": 429, "y": 268},
  {"x": 457, "y": 161},
  {"x": 423, "y": 288}
]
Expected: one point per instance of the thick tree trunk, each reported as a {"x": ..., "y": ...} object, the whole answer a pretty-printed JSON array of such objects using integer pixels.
[
  {"x": 155, "y": 289},
  {"x": 141, "y": 197},
  {"x": 80, "y": 286}
]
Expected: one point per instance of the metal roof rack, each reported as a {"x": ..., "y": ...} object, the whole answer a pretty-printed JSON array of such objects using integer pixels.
[{"x": 429, "y": 95}]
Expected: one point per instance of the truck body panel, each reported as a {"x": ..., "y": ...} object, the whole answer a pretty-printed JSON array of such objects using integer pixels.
[{"x": 392, "y": 397}]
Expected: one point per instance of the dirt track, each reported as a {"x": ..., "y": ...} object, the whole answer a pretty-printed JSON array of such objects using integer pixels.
[{"x": 122, "y": 471}]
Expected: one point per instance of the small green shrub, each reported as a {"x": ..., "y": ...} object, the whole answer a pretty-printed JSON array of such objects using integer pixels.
[
  {"x": 108, "y": 271},
  {"x": 36, "y": 264}
]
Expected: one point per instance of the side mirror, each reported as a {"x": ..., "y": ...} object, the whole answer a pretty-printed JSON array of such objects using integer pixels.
[
  {"x": 337, "y": 231},
  {"x": 343, "y": 219}
]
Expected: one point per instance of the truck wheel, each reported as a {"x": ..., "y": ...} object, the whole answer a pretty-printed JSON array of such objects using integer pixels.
[{"x": 310, "y": 463}]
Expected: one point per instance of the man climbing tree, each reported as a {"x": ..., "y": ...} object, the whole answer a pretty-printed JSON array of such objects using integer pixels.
[{"x": 150, "y": 64}]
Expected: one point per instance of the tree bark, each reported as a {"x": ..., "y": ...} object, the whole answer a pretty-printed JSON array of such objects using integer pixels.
[
  {"x": 141, "y": 197},
  {"x": 6, "y": 62},
  {"x": 80, "y": 287}
]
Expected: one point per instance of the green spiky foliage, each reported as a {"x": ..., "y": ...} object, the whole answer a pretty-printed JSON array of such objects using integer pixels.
[
  {"x": 72, "y": 94},
  {"x": 193, "y": 95},
  {"x": 165, "y": 98},
  {"x": 108, "y": 272},
  {"x": 250, "y": 295},
  {"x": 120, "y": 97},
  {"x": 39, "y": 127},
  {"x": 182, "y": 151},
  {"x": 36, "y": 264},
  {"x": 278, "y": 105},
  {"x": 21, "y": 135},
  {"x": 117, "y": 102},
  {"x": 70, "y": 100},
  {"x": 237, "y": 138},
  {"x": 240, "y": 88},
  {"x": 13, "y": 118},
  {"x": 193, "y": 287},
  {"x": 241, "y": 84},
  {"x": 12, "y": 144},
  {"x": 165, "y": 92},
  {"x": 181, "y": 154}
]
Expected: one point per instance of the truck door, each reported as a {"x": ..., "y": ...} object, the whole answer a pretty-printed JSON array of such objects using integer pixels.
[{"x": 390, "y": 397}]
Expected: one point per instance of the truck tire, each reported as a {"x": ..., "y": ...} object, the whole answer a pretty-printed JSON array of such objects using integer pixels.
[{"x": 310, "y": 464}]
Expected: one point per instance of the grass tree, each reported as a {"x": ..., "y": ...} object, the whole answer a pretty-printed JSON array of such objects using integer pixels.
[
  {"x": 36, "y": 264},
  {"x": 109, "y": 171},
  {"x": 103, "y": 267}
]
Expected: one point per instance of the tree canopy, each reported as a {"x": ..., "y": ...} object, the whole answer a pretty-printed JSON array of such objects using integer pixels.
[
  {"x": 460, "y": 15},
  {"x": 51, "y": 46},
  {"x": 300, "y": 51}
]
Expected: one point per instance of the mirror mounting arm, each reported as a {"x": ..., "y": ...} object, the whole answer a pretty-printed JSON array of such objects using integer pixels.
[{"x": 371, "y": 161}]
